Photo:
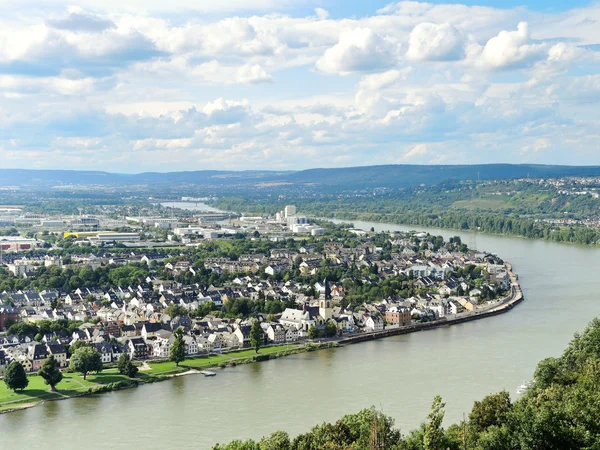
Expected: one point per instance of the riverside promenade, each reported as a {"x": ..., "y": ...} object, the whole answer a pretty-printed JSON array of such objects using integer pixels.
[{"x": 494, "y": 308}]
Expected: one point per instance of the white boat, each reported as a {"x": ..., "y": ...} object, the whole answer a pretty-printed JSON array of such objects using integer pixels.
[
  {"x": 524, "y": 387},
  {"x": 208, "y": 373}
]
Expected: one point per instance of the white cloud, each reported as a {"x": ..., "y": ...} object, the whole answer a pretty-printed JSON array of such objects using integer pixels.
[
  {"x": 322, "y": 14},
  {"x": 435, "y": 42},
  {"x": 511, "y": 49},
  {"x": 359, "y": 50},
  {"x": 539, "y": 145},
  {"x": 157, "y": 90},
  {"x": 416, "y": 151},
  {"x": 382, "y": 80},
  {"x": 253, "y": 74}
]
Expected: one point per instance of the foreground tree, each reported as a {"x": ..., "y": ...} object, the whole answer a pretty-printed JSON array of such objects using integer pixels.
[
  {"x": 126, "y": 367},
  {"x": 15, "y": 376},
  {"x": 492, "y": 410},
  {"x": 177, "y": 347},
  {"x": 257, "y": 336},
  {"x": 51, "y": 373},
  {"x": 435, "y": 437},
  {"x": 313, "y": 333},
  {"x": 85, "y": 360}
]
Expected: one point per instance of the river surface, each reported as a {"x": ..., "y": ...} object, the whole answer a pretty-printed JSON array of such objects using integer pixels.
[
  {"x": 192, "y": 206},
  {"x": 399, "y": 375}
]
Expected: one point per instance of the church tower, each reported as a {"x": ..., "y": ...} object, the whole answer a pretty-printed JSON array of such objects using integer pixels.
[{"x": 325, "y": 310}]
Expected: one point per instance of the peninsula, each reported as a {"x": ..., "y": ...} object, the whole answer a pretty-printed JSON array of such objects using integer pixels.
[{"x": 224, "y": 293}]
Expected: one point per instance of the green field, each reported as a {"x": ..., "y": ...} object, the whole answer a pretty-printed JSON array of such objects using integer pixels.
[
  {"x": 168, "y": 368},
  {"x": 72, "y": 384}
]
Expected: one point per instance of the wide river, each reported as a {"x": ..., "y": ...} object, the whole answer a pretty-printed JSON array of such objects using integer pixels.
[{"x": 400, "y": 375}]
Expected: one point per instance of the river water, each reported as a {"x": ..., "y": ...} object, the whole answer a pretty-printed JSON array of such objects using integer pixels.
[
  {"x": 399, "y": 375},
  {"x": 192, "y": 206}
]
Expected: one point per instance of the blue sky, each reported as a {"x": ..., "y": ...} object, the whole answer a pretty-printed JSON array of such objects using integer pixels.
[{"x": 148, "y": 85}]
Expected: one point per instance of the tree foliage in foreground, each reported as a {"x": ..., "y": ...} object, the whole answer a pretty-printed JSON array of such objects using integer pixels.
[{"x": 560, "y": 411}]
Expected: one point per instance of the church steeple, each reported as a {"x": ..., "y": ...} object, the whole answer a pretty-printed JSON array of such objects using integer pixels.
[{"x": 327, "y": 289}]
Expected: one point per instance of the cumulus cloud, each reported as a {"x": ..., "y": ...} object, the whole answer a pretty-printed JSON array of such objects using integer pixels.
[
  {"x": 253, "y": 74},
  {"x": 359, "y": 50},
  {"x": 512, "y": 49},
  {"x": 435, "y": 42}
]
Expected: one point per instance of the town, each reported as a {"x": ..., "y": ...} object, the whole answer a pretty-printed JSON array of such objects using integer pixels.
[{"x": 302, "y": 282}]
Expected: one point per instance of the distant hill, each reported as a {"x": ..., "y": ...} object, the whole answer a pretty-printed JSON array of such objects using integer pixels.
[{"x": 390, "y": 176}]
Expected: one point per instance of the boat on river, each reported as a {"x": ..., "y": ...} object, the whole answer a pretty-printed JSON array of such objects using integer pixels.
[
  {"x": 524, "y": 387},
  {"x": 208, "y": 373}
]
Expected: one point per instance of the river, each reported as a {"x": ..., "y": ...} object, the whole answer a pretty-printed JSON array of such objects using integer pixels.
[
  {"x": 192, "y": 206},
  {"x": 400, "y": 375}
]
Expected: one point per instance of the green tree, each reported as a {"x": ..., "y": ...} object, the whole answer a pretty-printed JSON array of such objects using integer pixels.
[
  {"x": 51, "y": 373},
  {"x": 177, "y": 347},
  {"x": 435, "y": 438},
  {"x": 313, "y": 333},
  {"x": 257, "y": 336},
  {"x": 279, "y": 440},
  {"x": 330, "y": 329},
  {"x": 76, "y": 346},
  {"x": 126, "y": 367},
  {"x": 15, "y": 376},
  {"x": 86, "y": 359},
  {"x": 492, "y": 410}
]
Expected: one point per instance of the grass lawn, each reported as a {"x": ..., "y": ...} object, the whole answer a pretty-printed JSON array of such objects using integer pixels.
[
  {"x": 70, "y": 385},
  {"x": 73, "y": 384},
  {"x": 168, "y": 367}
]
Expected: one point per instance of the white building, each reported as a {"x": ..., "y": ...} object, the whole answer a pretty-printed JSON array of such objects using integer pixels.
[{"x": 289, "y": 211}]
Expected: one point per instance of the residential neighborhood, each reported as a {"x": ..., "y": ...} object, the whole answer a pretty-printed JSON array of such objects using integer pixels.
[{"x": 326, "y": 289}]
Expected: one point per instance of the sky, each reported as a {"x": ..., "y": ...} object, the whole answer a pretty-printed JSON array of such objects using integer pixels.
[{"x": 154, "y": 85}]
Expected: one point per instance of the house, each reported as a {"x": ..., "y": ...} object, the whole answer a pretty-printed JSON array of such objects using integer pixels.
[
  {"x": 59, "y": 351},
  {"x": 243, "y": 334},
  {"x": 291, "y": 334},
  {"x": 37, "y": 353},
  {"x": 190, "y": 345},
  {"x": 117, "y": 350},
  {"x": 138, "y": 348},
  {"x": 216, "y": 342},
  {"x": 105, "y": 350},
  {"x": 150, "y": 329},
  {"x": 374, "y": 323},
  {"x": 276, "y": 333},
  {"x": 398, "y": 316},
  {"x": 8, "y": 316}
]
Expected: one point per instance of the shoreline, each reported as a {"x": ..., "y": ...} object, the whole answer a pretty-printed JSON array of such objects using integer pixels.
[
  {"x": 500, "y": 307},
  {"x": 459, "y": 230}
]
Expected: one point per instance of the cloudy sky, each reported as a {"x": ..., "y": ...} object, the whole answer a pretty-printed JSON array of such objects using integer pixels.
[{"x": 154, "y": 85}]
